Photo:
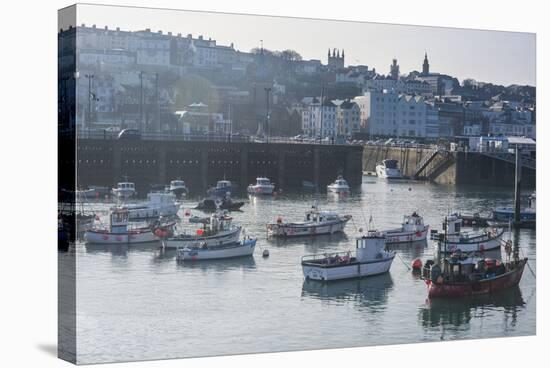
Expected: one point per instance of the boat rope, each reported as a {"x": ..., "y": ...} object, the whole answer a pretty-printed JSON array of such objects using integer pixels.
[
  {"x": 353, "y": 222},
  {"x": 528, "y": 265},
  {"x": 405, "y": 263}
]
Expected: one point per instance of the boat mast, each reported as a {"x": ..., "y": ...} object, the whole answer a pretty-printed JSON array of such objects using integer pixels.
[{"x": 517, "y": 203}]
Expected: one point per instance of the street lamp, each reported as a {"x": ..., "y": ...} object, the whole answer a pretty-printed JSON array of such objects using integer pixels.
[{"x": 267, "y": 90}]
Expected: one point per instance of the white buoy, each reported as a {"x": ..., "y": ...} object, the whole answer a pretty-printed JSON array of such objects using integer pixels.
[{"x": 265, "y": 253}]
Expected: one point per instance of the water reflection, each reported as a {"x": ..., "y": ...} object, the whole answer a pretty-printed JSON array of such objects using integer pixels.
[
  {"x": 454, "y": 313},
  {"x": 219, "y": 265},
  {"x": 121, "y": 249},
  {"x": 370, "y": 293}
]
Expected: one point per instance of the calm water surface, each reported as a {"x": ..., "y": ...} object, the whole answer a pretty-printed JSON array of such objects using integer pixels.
[{"x": 137, "y": 303}]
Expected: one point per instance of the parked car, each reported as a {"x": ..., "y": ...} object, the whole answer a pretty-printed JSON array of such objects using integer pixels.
[{"x": 129, "y": 134}]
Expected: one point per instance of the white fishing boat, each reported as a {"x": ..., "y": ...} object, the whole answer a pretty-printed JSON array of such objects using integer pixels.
[
  {"x": 204, "y": 252},
  {"x": 124, "y": 190},
  {"x": 316, "y": 223},
  {"x": 158, "y": 204},
  {"x": 370, "y": 258},
  {"x": 340, "y": 185},
  {"x": 412, "y": 229},
  {"x": 119, "y": 232},
  {"x": 262, "y": 186},
  {"x": 217, "y": 232},
  {"x": 179, "y": 188},
  {"x": 388, "y": 169},
  {"x": 453, "y": 239}
]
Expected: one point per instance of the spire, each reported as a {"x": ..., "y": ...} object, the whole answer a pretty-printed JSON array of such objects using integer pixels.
[
  {"x": 426, "y": 65},
  {"x": 342, "y": 53},
  {"x": 338, "y": 53},
  {"x": 329, "y": 52}
]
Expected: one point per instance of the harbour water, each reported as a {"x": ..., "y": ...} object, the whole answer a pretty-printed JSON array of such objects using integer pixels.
[{"x": 138, "y": 303}]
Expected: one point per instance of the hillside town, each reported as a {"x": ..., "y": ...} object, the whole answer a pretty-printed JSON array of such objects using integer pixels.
[{"x": 174, "y": 84}]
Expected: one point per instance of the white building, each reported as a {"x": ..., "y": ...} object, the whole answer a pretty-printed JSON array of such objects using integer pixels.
[
  {"x": 387, "y": 113},
  {"x": 319, "y": 120}
]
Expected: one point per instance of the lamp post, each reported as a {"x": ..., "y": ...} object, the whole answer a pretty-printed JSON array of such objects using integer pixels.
[{"x": 267, "y": 90}]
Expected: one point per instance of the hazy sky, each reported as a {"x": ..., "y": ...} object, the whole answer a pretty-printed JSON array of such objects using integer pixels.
[{"x": 489, "y": 56}]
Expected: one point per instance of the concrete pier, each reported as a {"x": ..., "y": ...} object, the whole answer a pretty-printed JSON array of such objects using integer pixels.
[{"x": 454, "y": 168}]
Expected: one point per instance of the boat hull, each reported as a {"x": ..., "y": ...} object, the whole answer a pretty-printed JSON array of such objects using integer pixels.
[
  {"x": 179, "y": 192},
  {"x": 487, "y": 286},
  {"x": 223, "y": 238},
  {"x": 506, "y": 214},
  {"x": 99, "y": 237},
  {"x": 385, "y": 173},
  {"x": 481, "y": 245},
  {"x": 246, "y": 248},
  {"x": 332, "y": 189},
  {"x": 260, "y": 190},
  {"x": 398, "y": 236},
  {"x": 293, "y": 230},
  {"x": 354, "y": 270}
]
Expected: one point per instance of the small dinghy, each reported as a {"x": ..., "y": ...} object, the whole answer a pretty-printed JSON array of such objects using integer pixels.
[
  {"x": 222, "y": 188},
  {"x": 119, "y": 232},
  {"x": 316, "y": 223},
  {"x": 411, "y": 230},
  {"x": 370, "y": 258},
  {"x": 204, "y": 252},
  {"x": 454, "y": 240}
]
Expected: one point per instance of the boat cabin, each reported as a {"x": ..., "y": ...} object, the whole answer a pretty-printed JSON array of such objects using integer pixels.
[
  {"x": 263, "y": 181},
  {"x": 223, "y": 184},
  {"x": 453, "y": 224},
  {"x": 321, "y": 216},
  {"x": 390, "y": 164},
  {"x": 126, "y": 186},
  {"x": 177, "y": 184},
  {"x": 118, "y": 220}
]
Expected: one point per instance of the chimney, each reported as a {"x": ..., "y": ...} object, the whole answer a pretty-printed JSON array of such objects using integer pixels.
[
  {"x": 93, "y": 26},
  {"x": 106, "y": 28},
  {"x": 159, "y": 32},
  {"x": 189, "y": 35},
  {"x": 83, "y": 25},
  {"x": 118, "y": 28},
  {"x": 179, "y": 34},
  {"x": 169, "y": 33},
  {"x": 200, "y": 37}
]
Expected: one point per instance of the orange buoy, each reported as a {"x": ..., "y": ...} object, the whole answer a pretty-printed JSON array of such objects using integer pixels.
[{"x": 416, "y": 264}]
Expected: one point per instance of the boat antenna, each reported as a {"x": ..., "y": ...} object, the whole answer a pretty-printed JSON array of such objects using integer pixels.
[{"x": 446, "y": 225}]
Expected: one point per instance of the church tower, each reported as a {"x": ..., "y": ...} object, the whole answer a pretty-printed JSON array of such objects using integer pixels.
[
  {"x": 394, "y": 70},
  {"x": 426, "y": 65},
  {"x": 335, "y": 59}
]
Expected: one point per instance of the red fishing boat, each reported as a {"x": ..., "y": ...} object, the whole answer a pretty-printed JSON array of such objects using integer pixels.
[{"x": 462, "y": 278}]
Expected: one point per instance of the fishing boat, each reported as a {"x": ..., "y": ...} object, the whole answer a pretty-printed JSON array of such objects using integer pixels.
[
  {"x": 262, "y": 186},
  {"x": 119, "y": 231},
  {"x": 204, "y": 252},
  {"x": 124, "y": 190},
  {"x": 453, "y": 239},
  {"x": 464, "y": 275},
  {"x": 158, "y": 204},
  {"x": 222, "y": 188},
  {"x": 339, "y": 186},
  {"x": 388, "y": 169},
  {"x": 214, "y": 204},
  {"x": 412, "y": 229},
  {"x": 218, "y": 231},
  {"x": 316, "y": 223},
  {"x": 179, "y": 188},
  {"x": 370, "y": 258}
]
